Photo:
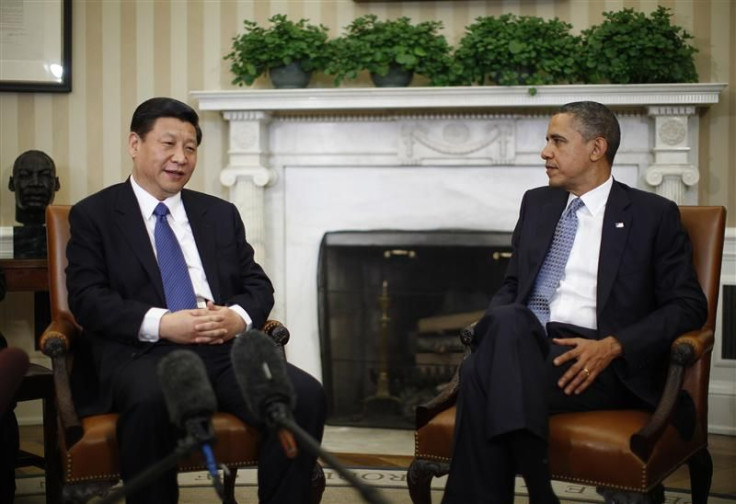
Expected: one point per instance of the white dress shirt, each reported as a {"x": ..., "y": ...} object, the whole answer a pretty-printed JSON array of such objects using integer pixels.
[
  {"x": 179, "y": 222},
  {"x": 574, "y": 302}
]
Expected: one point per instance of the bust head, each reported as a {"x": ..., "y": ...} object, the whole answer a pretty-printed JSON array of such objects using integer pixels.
[{"x": 34, "y": 183}]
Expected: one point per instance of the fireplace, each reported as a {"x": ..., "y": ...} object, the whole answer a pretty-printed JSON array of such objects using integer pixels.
[{"x": 391, "y": 306}]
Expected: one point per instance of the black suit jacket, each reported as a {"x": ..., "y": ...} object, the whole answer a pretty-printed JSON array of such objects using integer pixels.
[
  {"x": 647, "y": 291},
  {"x": 113, "y": 277}
]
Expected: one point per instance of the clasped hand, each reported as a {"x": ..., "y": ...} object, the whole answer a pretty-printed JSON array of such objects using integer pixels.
[
  {"x": 212, "y": 325},
  {"x": 591, "y": 358}
]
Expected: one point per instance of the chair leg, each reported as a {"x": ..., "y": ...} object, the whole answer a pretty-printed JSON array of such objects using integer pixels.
[
  {"x": 318, "y": 484},
  {"x": 52, "y": 457},
  {"x": 419, "y": 479},
  {"x": 228, "y": 485},
  {"x": 701, "y": 475}
]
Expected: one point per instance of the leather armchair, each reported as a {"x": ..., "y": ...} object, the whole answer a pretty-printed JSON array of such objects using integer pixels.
[
  {"x": 626, "y": 454},
  {"x": 88, "y": 446}
]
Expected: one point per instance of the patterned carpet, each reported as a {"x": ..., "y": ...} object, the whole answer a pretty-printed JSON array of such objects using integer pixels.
[{"x": 196, "y": 489}]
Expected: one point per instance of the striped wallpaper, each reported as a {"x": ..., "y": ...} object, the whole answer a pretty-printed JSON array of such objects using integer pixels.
[{"x": 125, "y": 51}]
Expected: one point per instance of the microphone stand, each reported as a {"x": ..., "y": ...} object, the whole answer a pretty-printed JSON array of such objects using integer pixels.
[
  {"x": 278, "y": 415},
  {"x": 184, "y": 448}
]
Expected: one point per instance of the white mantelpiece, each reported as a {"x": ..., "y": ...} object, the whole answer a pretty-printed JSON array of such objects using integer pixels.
[
  {"x": 672, "y": 172},
  {"x": 302, "y": 162}
]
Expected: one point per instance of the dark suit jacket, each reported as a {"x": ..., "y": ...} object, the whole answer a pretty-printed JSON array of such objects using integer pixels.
[
  {"x": 113, "y": 277},
  {"x": 648, "y": 292}
]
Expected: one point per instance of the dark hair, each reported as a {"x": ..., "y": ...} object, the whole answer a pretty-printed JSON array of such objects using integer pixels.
[
  {"x": 595, "y": 120},
  {"x": 150, "y": 110}
]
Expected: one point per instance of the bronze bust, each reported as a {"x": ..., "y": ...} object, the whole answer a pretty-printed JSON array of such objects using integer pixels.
[{"x": 34, "y": 183}]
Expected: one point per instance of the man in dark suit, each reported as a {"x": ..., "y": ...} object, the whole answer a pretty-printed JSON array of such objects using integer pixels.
[
  {"x": 596, "y": 335},
  {"x": 118, "y": 296}
]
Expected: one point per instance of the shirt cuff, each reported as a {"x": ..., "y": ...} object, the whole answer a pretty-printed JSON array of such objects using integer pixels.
[
  {"x": 149, "y": 327},
  {"x": 244, "y": 315}
]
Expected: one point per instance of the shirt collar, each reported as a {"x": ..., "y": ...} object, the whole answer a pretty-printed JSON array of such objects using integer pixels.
[
  {"x": 595, "y": 199},
  {"x": 147, "y": 202}
]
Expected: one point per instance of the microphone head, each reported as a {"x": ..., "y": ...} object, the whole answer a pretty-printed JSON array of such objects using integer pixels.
[
  {"x": 186, "y": 387},
  {"x": 260, "y": 370}
]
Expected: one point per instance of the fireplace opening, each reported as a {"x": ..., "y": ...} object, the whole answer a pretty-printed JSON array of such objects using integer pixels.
[{"x": 391, "y": 307}]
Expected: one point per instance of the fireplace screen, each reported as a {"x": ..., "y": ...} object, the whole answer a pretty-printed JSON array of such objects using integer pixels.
[{"x": 392, "y": 304}]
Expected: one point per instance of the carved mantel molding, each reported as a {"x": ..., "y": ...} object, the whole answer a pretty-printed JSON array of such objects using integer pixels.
[{"x": 673, "y": 109}]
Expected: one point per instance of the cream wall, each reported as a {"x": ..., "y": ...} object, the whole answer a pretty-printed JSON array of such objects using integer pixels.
[{"x": 126, "y": 51}]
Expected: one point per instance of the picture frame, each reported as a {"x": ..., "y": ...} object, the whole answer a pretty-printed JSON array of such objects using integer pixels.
[{"x": 36, "y": 47}]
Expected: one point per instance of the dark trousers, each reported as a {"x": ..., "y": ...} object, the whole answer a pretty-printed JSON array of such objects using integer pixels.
[
  {"x": 9, "y": 445},
  {"x": 145, "y": 434},
  {"x": 509, "y": 385}
]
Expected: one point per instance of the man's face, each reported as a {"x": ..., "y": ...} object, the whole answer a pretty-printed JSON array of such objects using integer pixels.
[
  {"x": 164, "y": 160},
  {"x": 34, "y": 183},
  {"x": 572, "y": 163}
]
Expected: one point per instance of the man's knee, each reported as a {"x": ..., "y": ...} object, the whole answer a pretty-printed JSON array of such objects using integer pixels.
[
  {"x": 506, "y": 323},
  {"x": 311, "y": 400}
]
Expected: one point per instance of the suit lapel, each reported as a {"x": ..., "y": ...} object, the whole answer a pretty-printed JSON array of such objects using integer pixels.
[
  {"x": 616, "y": 228},
  {"x": 204, "y": 237},
  {"x": 544, "y": 226},
  {"x": 129, "y": 223}
]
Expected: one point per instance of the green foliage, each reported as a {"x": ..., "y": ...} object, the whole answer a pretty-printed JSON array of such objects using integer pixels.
[
  {"x": 373, "y": 45},
  {"x": 629, "y": 47},
  {"x": 284, "y": 42},
  {"x": 512, "y": 50}
]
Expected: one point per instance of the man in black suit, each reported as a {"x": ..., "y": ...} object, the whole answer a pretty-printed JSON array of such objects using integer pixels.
[
  {"x": 598, "y": 339},
  {"x": 117, "y": 295}
]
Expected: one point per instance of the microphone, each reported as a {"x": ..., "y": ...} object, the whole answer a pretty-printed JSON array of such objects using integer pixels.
[
  {"x": 191, "y": 403},
  {"x": 260, "y": 370}
]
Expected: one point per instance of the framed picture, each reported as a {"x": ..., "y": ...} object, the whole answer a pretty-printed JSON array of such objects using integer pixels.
[{"x": 35, "y": 46}]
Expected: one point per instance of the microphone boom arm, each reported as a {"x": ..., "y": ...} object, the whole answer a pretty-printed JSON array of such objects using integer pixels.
[{"x": 278, "y": 415}]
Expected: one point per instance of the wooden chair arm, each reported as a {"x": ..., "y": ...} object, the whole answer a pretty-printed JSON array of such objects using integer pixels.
[
  {"x": 686, "y": 350},
  {"x": 58, "y": 337},
  {"x": 447, "y": 397},
  {"x": 55, "y": 343},
  {"x": 277, "y": 331}
]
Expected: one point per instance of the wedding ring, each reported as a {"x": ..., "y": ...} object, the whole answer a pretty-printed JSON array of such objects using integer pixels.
[{"x": 587, "y": 373}]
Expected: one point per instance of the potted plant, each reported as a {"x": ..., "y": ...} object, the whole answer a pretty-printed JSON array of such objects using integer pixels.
[
  {"x": 392, "y": 51},
  {"x": 516, "y": 50},
  {"x": 285, "y": 49},
  {"x": 629, "y": 47}
]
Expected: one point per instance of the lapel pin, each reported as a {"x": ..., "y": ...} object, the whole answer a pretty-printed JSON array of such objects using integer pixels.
[{"x": 619, "y": 224}]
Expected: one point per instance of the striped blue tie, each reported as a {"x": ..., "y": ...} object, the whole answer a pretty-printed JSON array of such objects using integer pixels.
[
  {"x": 174, "y": 273},
  {"x": 553, "y": 268}
]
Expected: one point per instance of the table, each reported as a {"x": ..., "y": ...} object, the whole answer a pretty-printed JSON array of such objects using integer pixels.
[
  {"x": 25, "y": 274},
  {"x": 30, "y": 275}
]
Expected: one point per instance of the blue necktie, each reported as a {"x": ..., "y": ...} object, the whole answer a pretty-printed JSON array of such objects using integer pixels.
[
  {"x": 553, "y": 268},
  {"x": 174, "y": 272}
]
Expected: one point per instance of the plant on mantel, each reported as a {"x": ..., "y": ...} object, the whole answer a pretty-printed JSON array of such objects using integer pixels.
[
  {"x": 628, "y": 47},
  {"x": 381, "y": 47},
  {"x": 285, "y": 42},
  {"x": 516, "y": 50}
]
